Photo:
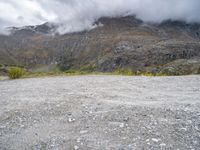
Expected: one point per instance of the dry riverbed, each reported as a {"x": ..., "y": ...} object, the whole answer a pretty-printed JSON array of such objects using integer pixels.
[{"x": 100, "y": 113}]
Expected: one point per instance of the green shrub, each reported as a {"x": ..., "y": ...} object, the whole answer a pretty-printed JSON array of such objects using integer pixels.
[{"x": 15, "y": 72}]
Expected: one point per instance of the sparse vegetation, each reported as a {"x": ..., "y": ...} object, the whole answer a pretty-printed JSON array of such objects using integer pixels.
[
  {"x": 148, "y": 74},
  {"x": 88, "y": 69},
  {"x": 127, "y": 72},
  {"x": 15, "y": 72},
  {"x": 77, "y": 72},
  {"x": 81, "y": 71}
]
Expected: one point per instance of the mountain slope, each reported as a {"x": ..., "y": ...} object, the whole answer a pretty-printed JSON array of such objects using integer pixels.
[{"x": 123, "y": 42}]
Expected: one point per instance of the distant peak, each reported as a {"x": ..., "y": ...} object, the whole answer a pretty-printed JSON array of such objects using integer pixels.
[
  {"x": 46, "y": 28},
  {"x": 178, "y": 23},
  {"x": 121, "y": 20}
]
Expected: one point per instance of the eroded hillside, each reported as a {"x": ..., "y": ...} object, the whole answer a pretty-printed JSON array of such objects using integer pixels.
[{"x": 116, "y": 43}]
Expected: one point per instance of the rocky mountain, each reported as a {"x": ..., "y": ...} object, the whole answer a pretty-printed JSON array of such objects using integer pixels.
[{"x": 123, "y": 42}]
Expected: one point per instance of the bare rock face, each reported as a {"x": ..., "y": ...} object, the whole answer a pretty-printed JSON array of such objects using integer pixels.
[
  {"x": 123, "y": 42},
  {"x": 28, "y": 31}
]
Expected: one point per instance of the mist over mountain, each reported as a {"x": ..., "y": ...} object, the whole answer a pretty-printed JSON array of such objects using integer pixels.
[
  {"x": 78, "y": 15},
  {"x": 156, "y": 36},
  {"x": 171, "y": 47}
]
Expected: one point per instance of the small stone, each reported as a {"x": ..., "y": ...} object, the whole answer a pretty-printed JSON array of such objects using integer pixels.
[
  {"x": 195, "y": 142},
  {"x": 76, "y": 147},
  {"x": 121, "y": 125},
  {"x": 2, "y": 127},
  {"x": 155, "y": 140},
  {"x": 71, "y": 120},
  {"x": 126, "y": 119},
  {"x": 83, "y": 132},
  {"x": 78, "y": 140},
  {"x": 162, "y": 144},
  {"x": 197, "y": 128},
  {"x": 184, "y": 129},
  {"x": 22, "y": 126},
  {"x": 69, "y": 113}
]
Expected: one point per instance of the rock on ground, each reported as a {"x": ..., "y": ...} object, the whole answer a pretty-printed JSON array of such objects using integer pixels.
[{"x": 100, "y": 113}]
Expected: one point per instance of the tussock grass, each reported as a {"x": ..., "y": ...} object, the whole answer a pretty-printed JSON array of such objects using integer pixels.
[
  {"x": 127, "y": 72},
  {"x": 15, "y": 72}
]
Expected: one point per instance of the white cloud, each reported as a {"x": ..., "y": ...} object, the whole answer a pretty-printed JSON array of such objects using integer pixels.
[{"x": 77, "y": 15}]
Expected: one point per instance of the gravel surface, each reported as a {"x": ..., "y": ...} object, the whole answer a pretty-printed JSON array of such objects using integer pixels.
[{"x": 100, "y": 113}]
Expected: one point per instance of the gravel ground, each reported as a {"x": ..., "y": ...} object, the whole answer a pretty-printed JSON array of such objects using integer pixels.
[{"x": 100, "y": 113}]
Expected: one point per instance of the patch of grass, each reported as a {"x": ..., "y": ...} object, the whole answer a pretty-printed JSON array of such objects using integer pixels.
[
  {"x": 88, "y": 69},
  {"x": 151, "y": 74},
  {"x": 76, "y": 72},
  {"x": 161, "y": 74},
  {"x": 52, "y": 74},
  {"x": 81, "y": 71},
  {"x": 127, "y": 72},
  {"x": 15, "y": 72}
]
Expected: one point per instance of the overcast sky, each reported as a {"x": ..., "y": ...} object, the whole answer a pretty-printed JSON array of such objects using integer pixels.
[{"x": 77, "y": 15}]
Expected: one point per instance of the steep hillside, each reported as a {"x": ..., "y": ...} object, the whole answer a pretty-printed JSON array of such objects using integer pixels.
[{"x": 123, "y": 42}]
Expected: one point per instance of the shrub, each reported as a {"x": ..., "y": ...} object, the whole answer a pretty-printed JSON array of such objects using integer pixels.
[
  {"x": 198, "y": 72},
  {"x": 15, "y": 72}
]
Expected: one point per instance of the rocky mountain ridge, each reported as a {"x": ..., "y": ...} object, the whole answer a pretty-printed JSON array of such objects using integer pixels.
[{"x": 117, "y": 43}]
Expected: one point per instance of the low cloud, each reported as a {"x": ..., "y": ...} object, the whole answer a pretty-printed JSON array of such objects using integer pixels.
[{"x": 77, "y": 15}]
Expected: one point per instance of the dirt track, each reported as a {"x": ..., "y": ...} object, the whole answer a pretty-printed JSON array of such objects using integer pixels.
[{"x": 100, "y": 112}]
